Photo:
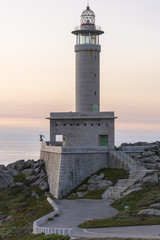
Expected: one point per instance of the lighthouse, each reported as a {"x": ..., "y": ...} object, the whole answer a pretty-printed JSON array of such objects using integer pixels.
[
  {"x": 87, "y": 51},
  {"x": 80, "y": 142}
]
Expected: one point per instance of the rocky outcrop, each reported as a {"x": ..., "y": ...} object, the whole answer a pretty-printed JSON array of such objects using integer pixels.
[
  {"x": 95, "y": 182},
  {"x": 31, "y": 174},
  {"x": 150, "y": 211},
  {"x": 150, "y": 157}
]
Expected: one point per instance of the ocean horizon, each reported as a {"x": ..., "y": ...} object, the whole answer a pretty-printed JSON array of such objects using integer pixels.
[{"x": 12, "y": 151}]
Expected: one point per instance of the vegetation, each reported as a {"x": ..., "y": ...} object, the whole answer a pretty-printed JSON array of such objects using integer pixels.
[
  {"x": 19, "y": 178},
  {"x": 22, "y": 207},
  {"x": 110, "y": 174},
  {"x": 129, "y": 208}
]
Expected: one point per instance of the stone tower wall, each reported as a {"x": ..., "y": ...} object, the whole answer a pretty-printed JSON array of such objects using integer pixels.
[{"x": 87, "y": 78}]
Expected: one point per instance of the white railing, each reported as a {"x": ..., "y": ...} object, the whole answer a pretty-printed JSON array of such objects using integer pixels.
[
  {"x": 37, "y": 229},
  {"x": 94, "y": 27}
]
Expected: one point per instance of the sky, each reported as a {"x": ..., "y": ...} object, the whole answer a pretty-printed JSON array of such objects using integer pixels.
[{"x": 37, "y": 65}]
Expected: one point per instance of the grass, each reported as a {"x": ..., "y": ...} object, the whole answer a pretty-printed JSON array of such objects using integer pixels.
[
  {"x": 110, "y": 174},
  {"x": 23, "y": 209},
  {"x": 135, "y": 201}
]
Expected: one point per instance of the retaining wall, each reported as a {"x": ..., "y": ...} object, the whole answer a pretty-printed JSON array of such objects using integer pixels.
[{"x": 37, "y": 229}]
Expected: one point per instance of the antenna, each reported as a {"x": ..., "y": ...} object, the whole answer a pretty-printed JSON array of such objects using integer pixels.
[{"x": 88, "y": 3}]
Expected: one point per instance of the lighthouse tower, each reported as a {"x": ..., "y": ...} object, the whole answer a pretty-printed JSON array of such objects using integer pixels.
[
  {"x": 87, "y": 51},
  {"x": 81, "y": 141}
]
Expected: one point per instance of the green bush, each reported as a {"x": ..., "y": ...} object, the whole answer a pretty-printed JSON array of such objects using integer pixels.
[{"x": 19, "y": 178}]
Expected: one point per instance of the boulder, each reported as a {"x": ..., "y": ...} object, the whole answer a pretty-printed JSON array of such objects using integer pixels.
[
  {"x": 18, "y": 184},
  {"x": 151, "y": 179},
  {"x": 151, "y": 211},
  {"x": 156, "y": 158},
  {"x": 39, "y": 163},
  {"x": 2, "y": 167},
  {"x": 12, "y": 172},
  {"x": 146, "y": 160},
  {"x": 151, "y": 166},
  {"x": 28, "y": 172},
  {"x": 6, "y": 179},
  {"x": 155, "y": 205},
  {"x": 147, "y": 154}
]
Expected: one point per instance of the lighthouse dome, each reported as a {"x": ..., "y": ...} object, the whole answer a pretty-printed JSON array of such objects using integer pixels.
[{"x": 88, "y": 17}]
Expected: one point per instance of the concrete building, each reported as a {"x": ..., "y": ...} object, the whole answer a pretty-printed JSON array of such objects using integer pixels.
[{"x": 80, "y": 141}]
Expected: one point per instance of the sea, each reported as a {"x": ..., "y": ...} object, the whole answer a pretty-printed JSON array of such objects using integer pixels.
[{"x": 11, "y": 151}]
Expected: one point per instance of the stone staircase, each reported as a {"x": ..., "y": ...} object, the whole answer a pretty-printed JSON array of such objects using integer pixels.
[{"x": 120, "y": 159}]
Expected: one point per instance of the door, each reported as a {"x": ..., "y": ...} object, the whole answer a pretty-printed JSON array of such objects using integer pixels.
[{"x": 104, "y": 141}]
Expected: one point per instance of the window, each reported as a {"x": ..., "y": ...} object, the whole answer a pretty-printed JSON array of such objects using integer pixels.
[
  {"x": 95, "y": 108},
  {"x": 95, "y": 74},
  {"x": 85, "y": 124},
  {"x": 77, "y": 124},
  {"x": 59, "y": 138},
  {"x": 91, "y": 124},
  {"x": 64, "y": 124},
  {"x": 71, "y": 124},
  {"x": 95, "y": 93}
]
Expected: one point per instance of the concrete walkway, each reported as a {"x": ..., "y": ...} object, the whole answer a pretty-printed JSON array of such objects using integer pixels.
[{"x": 75, "y": 212}]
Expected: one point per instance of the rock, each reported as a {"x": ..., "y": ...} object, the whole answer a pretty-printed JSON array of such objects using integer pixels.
[
  {"x": 151, "y": 179},
  {"x": 155, "y": 205},
  {"x": 37, "y": 170},
  {"x": 80, "y": 194},
  {"x": 44, "y": 186},
  {"x": 146, "y": 160},
  {"x": 31, "y": 178},
  {"x": 18, "y": 184},
  {"x": 151, "y": 166},
  {"x": 39, "y": 163},
  {"x": 6, "y": 179},
  {"x": 28, "y": 172},
  {"x": 12, "y": 172},
  {"x": 134, "y": 189},
  {"x": 156, "y": 158},
  {"x": 2, "y": 167},
  {"x": 83, "y": 187},
  {"x": 147, "y": 154},
  {"x": 151, "y": 211}
]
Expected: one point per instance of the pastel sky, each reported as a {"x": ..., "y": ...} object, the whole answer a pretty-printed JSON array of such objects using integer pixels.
[{"x": 37, "y": 64}]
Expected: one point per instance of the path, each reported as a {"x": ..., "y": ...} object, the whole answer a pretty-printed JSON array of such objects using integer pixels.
[{"x": 75, "y": 212}]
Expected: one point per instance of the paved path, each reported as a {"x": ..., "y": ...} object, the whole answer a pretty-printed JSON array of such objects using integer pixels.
[{"x": 74, "y": 212}]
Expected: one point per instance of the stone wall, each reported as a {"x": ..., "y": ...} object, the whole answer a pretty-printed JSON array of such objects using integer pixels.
[
  {"x": 52, "y": 158},
  {"x": 66, "y": 170}
]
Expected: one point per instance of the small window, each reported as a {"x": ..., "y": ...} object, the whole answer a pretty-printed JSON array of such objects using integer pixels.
[
  {"x": 77, "y": 124},
  {"x": 71, "y": 124},
  {"x": 95, "y": 93},
  {"x": 99, "y": 124},
  {"x": 95, "y": 57},
  {"x": 59, "y": 138},
  {"x": 85, "y": 124},
  {"x": 56, "y": 124},
  {"x": 91, "y": 124},
  {"x": 95, "y": 74},
  {"x": 64, "y": 124}
]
